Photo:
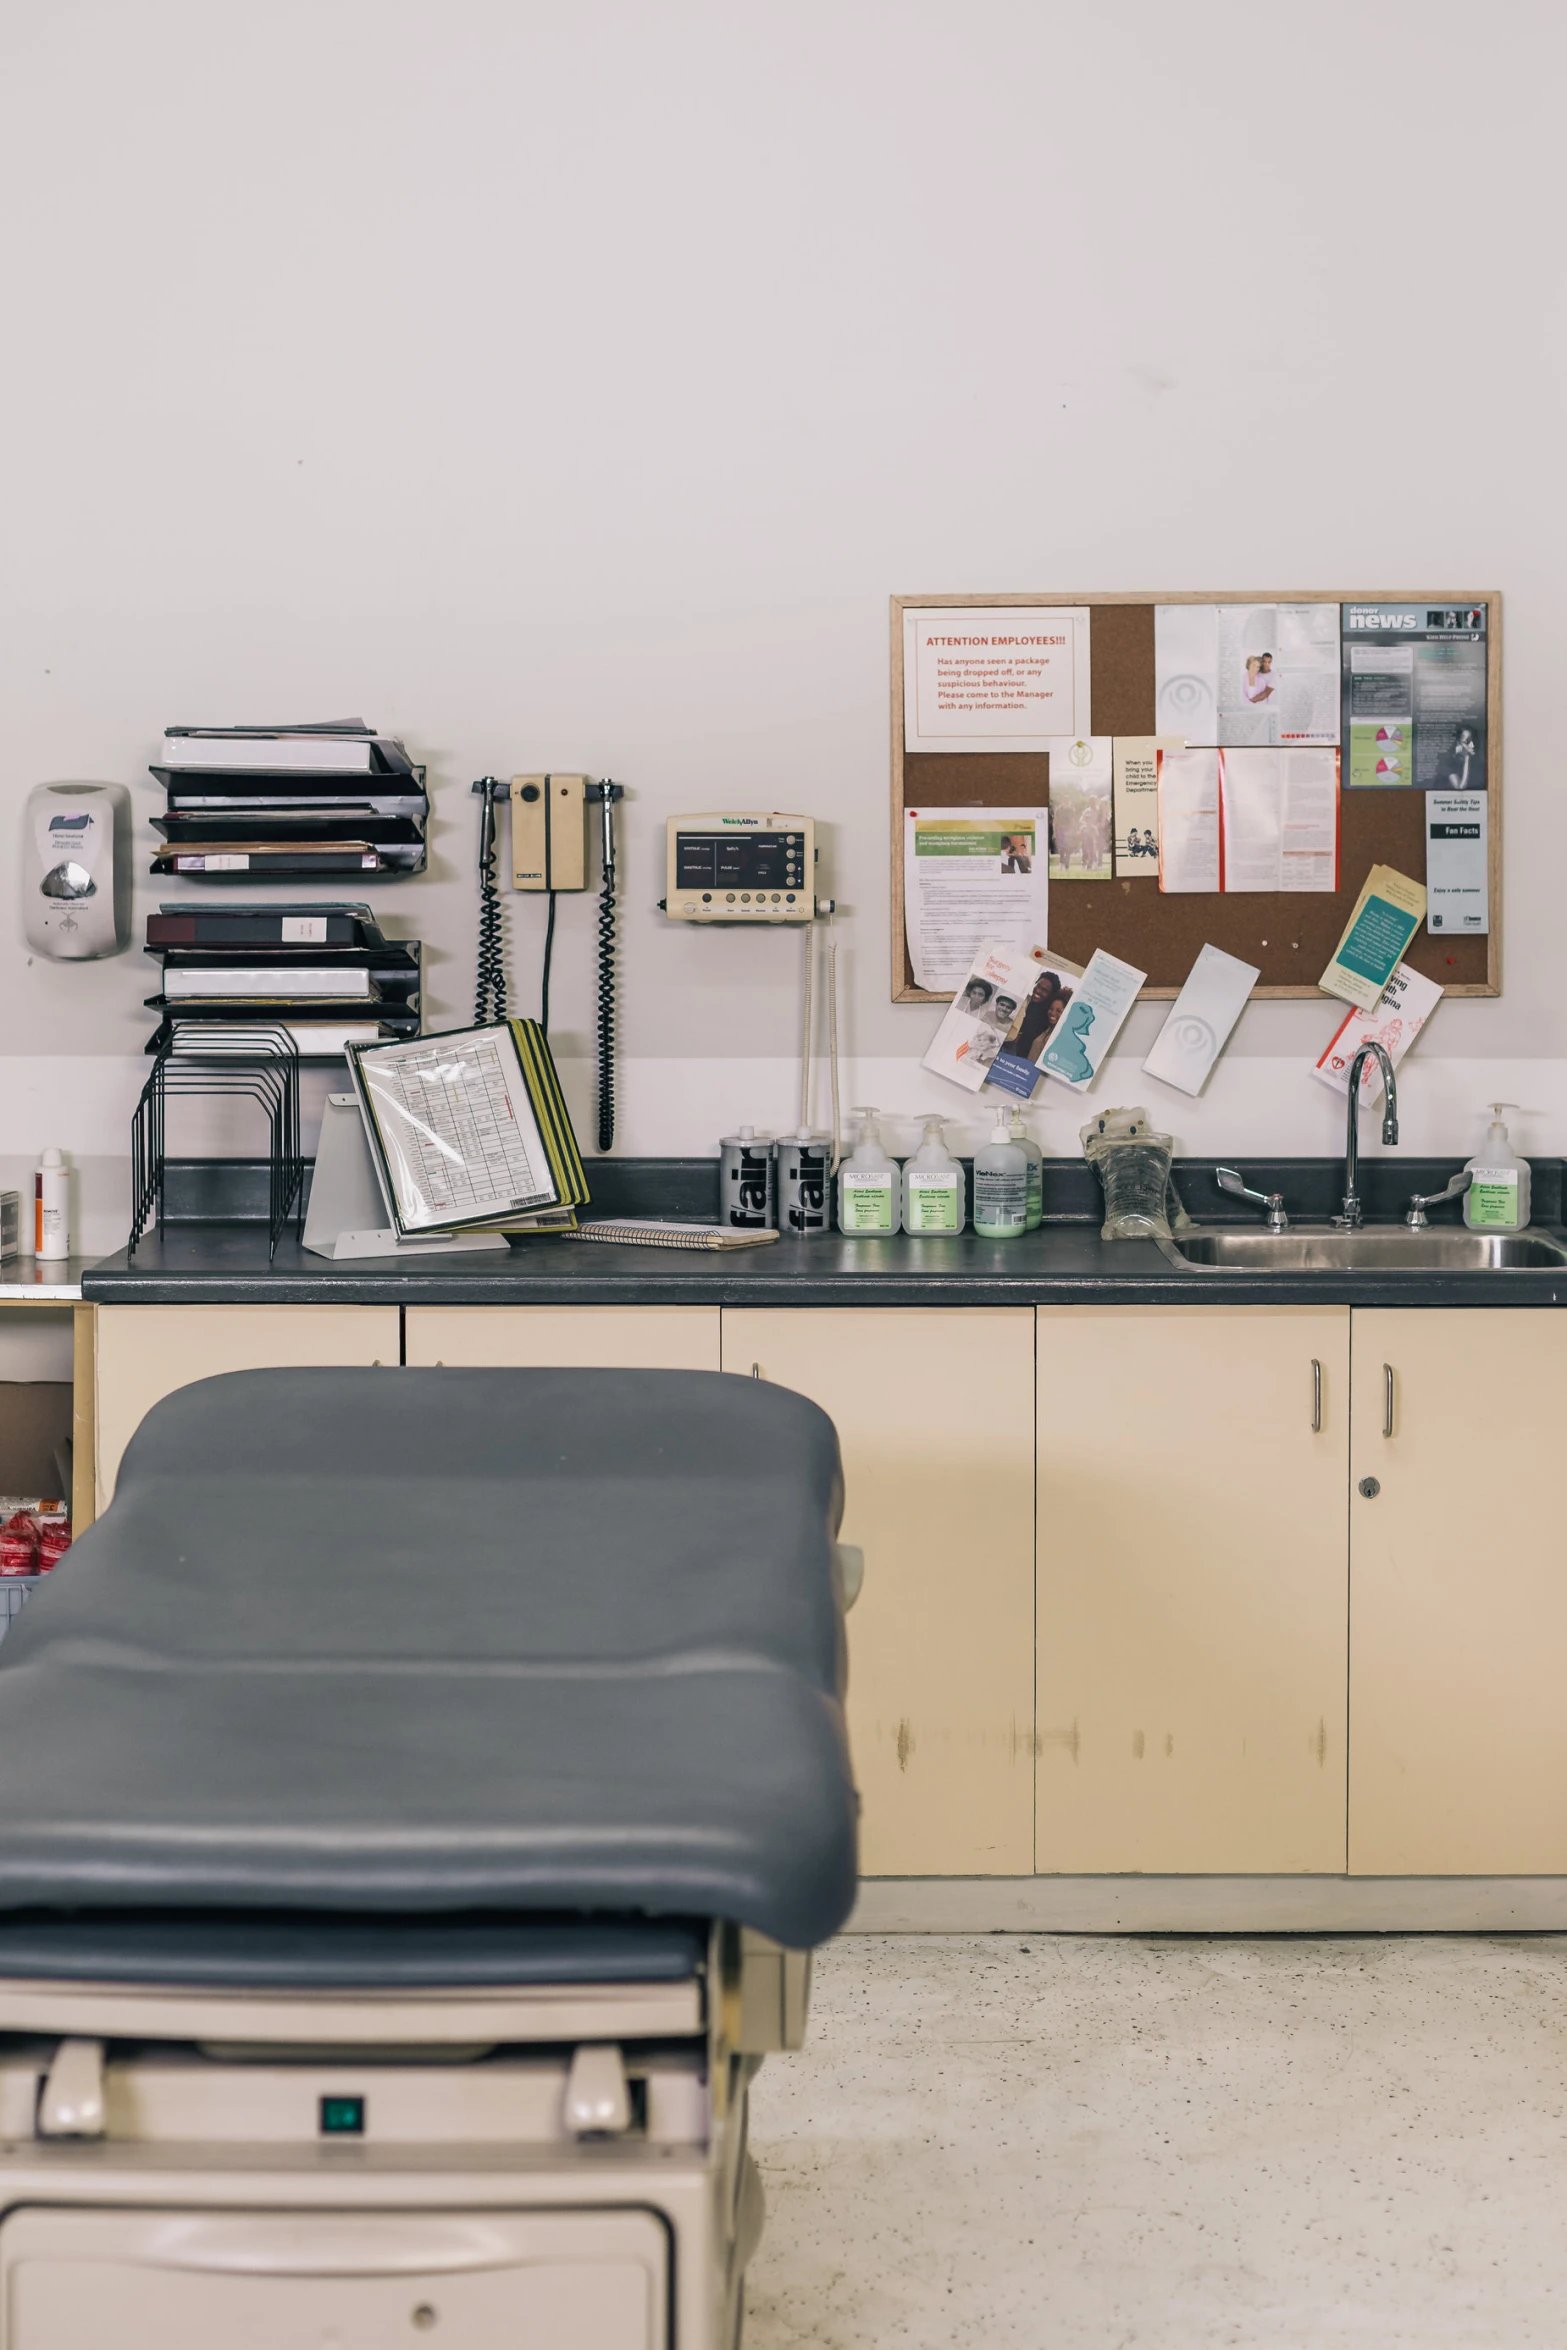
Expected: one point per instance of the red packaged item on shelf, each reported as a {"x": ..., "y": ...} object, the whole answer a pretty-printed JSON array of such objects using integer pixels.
[
  {"x": 54, "y": 1540},
  {"x": 19, "y": 1545}
]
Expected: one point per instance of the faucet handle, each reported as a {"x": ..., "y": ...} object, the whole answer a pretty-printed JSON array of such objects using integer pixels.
[
  {"x": 1416, "y": 1218},
  {"x": 1230, "y": 1179}
]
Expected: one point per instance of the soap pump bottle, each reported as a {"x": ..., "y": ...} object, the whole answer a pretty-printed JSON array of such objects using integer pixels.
[
  {"x": 1498, "y": 1196},
  {"x": 1036, "y": 1169},
  {"x": 1001, "y": 1186},
  {"x": 933, "y": 1186},
  {"x": 868, "y": 1186}
]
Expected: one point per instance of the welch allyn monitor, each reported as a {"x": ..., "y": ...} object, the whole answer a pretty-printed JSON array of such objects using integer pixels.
[{"x": 741, "y": 867}]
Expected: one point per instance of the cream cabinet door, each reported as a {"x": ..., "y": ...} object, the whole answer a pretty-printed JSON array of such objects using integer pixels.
[
  {"x": 1458, "y": 1641},
  {"x": 1193, "y": 1588},
  {"x": 579, "y": 1338},
  {"x": 934, "y": 1412},
  {"x": 145, "y": 1352}
]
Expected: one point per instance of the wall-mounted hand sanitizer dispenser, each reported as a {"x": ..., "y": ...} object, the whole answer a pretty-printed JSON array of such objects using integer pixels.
[{"x": 76, "y": 870}]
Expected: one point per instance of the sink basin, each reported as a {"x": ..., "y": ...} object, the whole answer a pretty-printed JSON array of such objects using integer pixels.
[{"x": 1377, "y": 1248}]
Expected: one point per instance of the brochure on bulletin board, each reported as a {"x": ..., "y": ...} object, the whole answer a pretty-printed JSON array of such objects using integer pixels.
[
  {"x": 1388, "y": 912},
  {"x": 1407, "y": 1003},
  {"x": 1244, "y": 819},
  {"x": 1008, "y": 1001},
  {"x": 1091, "y": 1021},
  {"x": 1081, "y": 817}
]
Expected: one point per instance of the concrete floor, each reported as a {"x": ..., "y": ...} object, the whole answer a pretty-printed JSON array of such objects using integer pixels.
[{"x": 1086, "y": 2144}]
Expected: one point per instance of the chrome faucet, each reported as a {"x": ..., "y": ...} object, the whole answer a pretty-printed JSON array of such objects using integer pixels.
[{"x": 1353, "y": 1216}]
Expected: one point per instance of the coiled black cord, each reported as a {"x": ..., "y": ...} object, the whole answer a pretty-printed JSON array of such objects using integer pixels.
[
  {"x": 606, "y": 1012},
  {"x": 549, "y": 955},
  {"x": 489, "y": 994}
]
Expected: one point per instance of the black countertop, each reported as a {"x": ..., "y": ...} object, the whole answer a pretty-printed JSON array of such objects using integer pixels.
[{"x": 1065, "y": 1262}]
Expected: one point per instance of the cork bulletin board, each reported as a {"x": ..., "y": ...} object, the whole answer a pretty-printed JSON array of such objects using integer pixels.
[{"x": 1290, "y": 936}]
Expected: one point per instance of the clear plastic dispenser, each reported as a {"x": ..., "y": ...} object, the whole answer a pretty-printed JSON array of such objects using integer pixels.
[
  {"x": 1036, "y": 1170},
  {"x": 869, "y": 1188},
  {"x": 1133, "y": 1165},
  {"x": 1498, "y": 1196},
  {"x": 933, "y": 1186},
  {"x": 1001, "y": 1186}
]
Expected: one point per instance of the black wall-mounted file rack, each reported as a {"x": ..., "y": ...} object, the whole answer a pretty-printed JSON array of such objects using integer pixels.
[
  {"x": 326, "y": 973},
  {"x": 223, "y": 824}
]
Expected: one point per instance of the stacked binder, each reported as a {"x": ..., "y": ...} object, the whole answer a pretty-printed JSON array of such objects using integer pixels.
[
  {"x": 324, "y": 972},
  {"x": 259, "y": 803}
]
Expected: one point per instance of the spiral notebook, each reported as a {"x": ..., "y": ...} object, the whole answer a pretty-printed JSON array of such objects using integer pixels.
[{"x": 655, "y": 1232}]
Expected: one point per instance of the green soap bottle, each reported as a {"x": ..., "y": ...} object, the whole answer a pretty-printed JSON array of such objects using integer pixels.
[
  {"x": 869, "y": 1190},
  {"x": 933, "y": 1186},
  {"x": 1498, "y": 1196}
]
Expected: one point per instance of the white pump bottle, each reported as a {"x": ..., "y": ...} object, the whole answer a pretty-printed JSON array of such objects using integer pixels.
[
  {"x": 1036, "y": 1169},
  {"x": 933, "y": 1186},
  {"x": 1001, "y": 1186},
  {"x": 1498, "y": 1196},
  {"x": 869, "y": 1191}
]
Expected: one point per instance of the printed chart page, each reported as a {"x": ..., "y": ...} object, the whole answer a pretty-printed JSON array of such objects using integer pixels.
[{"x": 458, "y": 1130}]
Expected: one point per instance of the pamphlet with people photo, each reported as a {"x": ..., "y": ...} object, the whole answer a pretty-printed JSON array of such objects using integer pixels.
[
  {"x": 1022, "y": 1016},
  {"x": 1015, "y": 1067},
  {"x": 1000, "y": 1017}
]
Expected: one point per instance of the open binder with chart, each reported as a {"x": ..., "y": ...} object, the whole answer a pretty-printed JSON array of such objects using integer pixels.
[{"x": 468, "y": 1131}]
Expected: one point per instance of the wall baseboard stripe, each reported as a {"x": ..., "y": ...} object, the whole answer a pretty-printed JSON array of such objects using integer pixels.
[{"x": 1211, "y": 1905}]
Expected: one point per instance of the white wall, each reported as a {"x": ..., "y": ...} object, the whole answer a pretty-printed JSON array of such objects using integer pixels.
[{"x": 572, "y": 384}]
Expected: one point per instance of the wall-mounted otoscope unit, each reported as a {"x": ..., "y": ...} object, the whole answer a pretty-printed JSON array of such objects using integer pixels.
[{"x": 549, "y": 852}]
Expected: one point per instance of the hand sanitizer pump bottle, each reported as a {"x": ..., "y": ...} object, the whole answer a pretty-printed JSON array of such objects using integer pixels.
[
  {"x": 1498, "y": 1196},
  {"x": 1036, "y": 1170},
  {"x": 933, "y": 1186},
  {"x": 869, "y": 1192},
  {"x": 1001, "y": 1186}
]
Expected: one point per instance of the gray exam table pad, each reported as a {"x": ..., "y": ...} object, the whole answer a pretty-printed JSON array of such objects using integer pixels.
[{"x": 444, "y": 1644}]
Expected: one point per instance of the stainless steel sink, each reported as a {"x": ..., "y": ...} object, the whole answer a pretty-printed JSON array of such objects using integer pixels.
[{"x": 1385, "y": 1248}]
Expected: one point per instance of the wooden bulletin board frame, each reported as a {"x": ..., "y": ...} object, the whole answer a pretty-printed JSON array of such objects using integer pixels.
[{"x": 1161, "y": 933}]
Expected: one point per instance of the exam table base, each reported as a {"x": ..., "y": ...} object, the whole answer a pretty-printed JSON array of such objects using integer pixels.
[{"x": 209, "y": 2206}]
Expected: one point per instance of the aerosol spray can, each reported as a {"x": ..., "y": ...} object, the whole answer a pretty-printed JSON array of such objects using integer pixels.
[
  {"x": 747, "y": 1181},
  {"x": 804, "y": 1161}
]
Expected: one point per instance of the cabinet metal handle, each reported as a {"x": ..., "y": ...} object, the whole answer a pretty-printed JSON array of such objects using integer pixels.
[
  {"x": 1387, "y": 1399},
  {"x": 1316, "y": 1397}
]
